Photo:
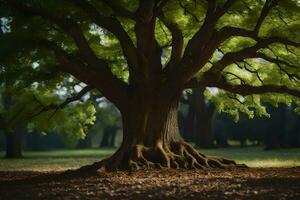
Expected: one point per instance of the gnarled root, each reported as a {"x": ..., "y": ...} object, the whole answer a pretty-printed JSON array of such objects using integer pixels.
[{"x": 179, "y": 155}]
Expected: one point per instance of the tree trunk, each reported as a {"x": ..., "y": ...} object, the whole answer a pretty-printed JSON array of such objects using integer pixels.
[
  {"x": 34, "y": 141},
  {"x": 105, "y": 139},
  {"x": 203, "y": 120},
  {"x": 151, "y": 139},
  {"x": 196, "y": 126},
  {"x": 86, "y": 143},
  {"x": 13, "y": 144},
  {"x": 108, "y": 139},
  {"x": 113, "y": 138}
]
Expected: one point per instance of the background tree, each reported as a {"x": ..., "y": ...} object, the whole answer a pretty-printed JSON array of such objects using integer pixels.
[
  {"x": 196, "y": 121},
  {"x": 280, "y": 130},
  {"x": 13, "y": 136},
  {"x": 110, "y": 122},
  {"x": 142, "y": 54}
]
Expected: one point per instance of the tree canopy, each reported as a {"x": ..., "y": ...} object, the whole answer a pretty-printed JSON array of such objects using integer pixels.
[{"x": 253, "y": 47}]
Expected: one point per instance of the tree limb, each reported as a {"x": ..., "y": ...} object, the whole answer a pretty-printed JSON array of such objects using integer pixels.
[
  {"x": 114, "y": 26},
  {"x": 96, "y": 73},
  {"x": 249, "y": 90},
  {"x": 200, "y": 48},
  {"x": 222, "y": 10},
  {"x": 244, "y": 89},
  {"x": 177, "y": 41},
  {"x": 250, "y": 52},
  {"x": 269, "y": 4},
  {"x": 207, "y": 39},
  {"x": 46, "y": 108}
]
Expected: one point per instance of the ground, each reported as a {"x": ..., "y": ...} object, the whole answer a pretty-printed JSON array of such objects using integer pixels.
[
  {"x": 264, "y": 183},
  {"x": 280, "y": 182}
]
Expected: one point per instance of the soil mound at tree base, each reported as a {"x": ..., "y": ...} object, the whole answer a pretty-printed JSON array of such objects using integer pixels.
[{"x": 254, "y": 183}]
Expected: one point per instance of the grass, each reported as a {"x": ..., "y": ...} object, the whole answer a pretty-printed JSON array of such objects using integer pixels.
[
  {"x": 54, "y": 160},
  {"x": 70, "y": 159},
  {"x": 257, "y": 157}
]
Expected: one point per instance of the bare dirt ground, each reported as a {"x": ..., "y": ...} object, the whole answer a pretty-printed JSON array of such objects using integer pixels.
[{"x": 255, "y": 183}]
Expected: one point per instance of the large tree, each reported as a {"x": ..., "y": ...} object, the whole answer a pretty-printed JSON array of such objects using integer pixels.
[{"x": 142, "y": 54}]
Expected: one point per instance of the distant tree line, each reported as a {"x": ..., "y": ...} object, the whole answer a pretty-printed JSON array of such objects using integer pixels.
[
  {"x": 104, "y": 133},
  {"x": 201, "y": 124}
]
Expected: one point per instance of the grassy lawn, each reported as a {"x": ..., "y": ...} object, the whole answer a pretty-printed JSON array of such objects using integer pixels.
[
  {"x": 257, "y": 157},
  {"x": 66, "y": 159}
]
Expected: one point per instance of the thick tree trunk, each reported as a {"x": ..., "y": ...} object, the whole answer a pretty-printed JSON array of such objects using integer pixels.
[
  {"x": 151, "y": 139},
  {"x": 13, "y": 144}
]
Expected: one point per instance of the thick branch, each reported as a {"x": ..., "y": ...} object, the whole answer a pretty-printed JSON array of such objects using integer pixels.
[
  {"x": 114, "y": 26},
  {"x": 227, "y": 32},
  {"x": 68, "y": 25},
  {"x": 202, "y": 45},
  {"x": 207, "y": 39},
  {"x": 97, "y": 72},
  {"x": 269, "y": 4},
  {"x": 148, "y": 48},
  {"x": 113, "y": 88},
  {"x": 222, "y": 10},
  {"x": 244, "y": 89},
  {"x": 177, "y": 41},
  {"x": 250, "y": 52}
]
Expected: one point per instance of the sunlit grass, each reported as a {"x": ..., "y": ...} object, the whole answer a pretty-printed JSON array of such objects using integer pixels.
[
  {"x": 257, "y": 157},
  {"x": 70, "y": 159},
  {"x": 55, "y": 160}
]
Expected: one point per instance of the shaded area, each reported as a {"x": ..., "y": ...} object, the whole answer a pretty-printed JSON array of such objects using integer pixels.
[{"x": 278, "y": 183}]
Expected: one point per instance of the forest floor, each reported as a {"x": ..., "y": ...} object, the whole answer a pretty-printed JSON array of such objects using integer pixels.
[{"x": 253, "y": 183}]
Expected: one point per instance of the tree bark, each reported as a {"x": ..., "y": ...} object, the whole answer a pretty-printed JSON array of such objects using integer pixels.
[
  {"x": 14, "y": 144},
  {"x": 151, "y": 139}
]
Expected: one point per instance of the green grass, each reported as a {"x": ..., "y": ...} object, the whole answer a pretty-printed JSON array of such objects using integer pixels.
[
  {"x": 70, "y": 159},
  {"x": 257, "y": 157},
  {"x": 54, "y": 160}
]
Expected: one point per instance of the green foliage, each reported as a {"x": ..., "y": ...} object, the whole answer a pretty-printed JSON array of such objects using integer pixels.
[
  {"x": 34, "y": 73},
  {"x": 107, "y": 117},
  {"x": 71, "y": 122}
]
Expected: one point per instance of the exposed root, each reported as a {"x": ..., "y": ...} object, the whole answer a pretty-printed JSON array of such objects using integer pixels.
[{"x": 178, "y": 155}]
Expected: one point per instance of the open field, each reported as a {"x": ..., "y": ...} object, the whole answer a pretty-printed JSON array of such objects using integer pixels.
[{"x": 69, "y": 159}]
